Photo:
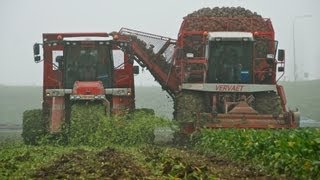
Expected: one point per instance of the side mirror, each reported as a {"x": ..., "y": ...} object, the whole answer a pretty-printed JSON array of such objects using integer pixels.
[
  {"x": 59, "y": 59},
  {"x": 36, "y": 49},
  {"x": 280, "y": 69},
  {"x": 37, "y": 59},
  {"x": 136, "y": 69},
  {"x": 281, "y": 55}
]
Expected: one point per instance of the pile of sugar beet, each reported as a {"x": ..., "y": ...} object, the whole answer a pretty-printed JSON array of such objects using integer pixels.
[{"x": 214, "y": 19}]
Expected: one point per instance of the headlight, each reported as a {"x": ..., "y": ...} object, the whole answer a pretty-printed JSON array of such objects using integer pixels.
[
  {"x": 99, "y": 97},
  {"x": 129, "y": 92}
]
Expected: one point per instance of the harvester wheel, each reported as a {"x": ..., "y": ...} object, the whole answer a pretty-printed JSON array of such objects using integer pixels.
[
  {"x": 33, "y": 127},
  {"x": 187, "y": 104},
  {"x": 268, "y": 103}
]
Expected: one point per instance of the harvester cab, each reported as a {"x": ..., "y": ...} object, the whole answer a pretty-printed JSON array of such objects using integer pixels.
[
  {"x": 235, "y": 57},
  {"x": 229, "y": 57}
]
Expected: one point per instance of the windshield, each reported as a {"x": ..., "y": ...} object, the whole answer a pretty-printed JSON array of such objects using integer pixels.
[
  {"x": 88, "y": 64},
  {"x": 230, "y": 61}
]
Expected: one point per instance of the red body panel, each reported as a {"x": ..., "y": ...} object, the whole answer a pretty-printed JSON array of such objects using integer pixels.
[
  {"x": 88, "y": 88},
  {"x": 57, "y": 113}
]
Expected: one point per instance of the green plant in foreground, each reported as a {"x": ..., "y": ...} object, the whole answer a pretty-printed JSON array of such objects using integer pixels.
[
  {"x": 293, "y": 152},
  {"x": 20, "y": 161},
  {"x": 90, "y": 126},
  {"x": 138, "y": 129}
]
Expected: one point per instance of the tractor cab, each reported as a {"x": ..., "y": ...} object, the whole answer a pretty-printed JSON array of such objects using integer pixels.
[
  {"x": 88, "y": 59},
  {"x": 85, "y": 65}
]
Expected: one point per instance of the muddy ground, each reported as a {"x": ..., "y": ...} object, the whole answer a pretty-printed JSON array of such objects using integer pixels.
[
  {"x": 148, "y": 162},
  {"x": 106, "y": 164}
]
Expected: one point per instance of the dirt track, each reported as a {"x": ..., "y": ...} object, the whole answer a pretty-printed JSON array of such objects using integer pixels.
[
  {"x": 106, "y": 164},
  {"x": 150, "y": 162}
]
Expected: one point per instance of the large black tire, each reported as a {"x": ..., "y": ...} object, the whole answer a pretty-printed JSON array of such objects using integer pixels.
[
  {"x": 187, "y": 104},
  {"x": 268, "y": 103},
  {"x": 33, "y": 126}
]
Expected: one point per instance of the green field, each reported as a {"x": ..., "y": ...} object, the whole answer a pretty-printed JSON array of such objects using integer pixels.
[
  {"x": 123, "y": 148},
  {"x": 305, "y": 96},
  {"x": 16, "y": 99}
]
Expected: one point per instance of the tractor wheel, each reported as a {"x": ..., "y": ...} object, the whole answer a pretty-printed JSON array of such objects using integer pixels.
[
  {"x": 33, "y": 127},
  {"x": 268, "y": 103}
]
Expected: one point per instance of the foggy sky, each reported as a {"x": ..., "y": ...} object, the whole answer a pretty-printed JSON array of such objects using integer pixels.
[{"x": 23, "y": 22}]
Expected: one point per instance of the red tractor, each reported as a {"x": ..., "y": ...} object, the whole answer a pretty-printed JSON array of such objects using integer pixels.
[
  {"x": 82, "y": 67},
  {"x": 221, "y": 72}
]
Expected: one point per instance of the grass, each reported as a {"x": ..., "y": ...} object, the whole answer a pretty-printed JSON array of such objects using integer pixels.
[{"x": 9, "y": 136}]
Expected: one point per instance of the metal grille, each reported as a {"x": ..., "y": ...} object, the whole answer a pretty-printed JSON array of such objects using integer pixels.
[{"x": 159, "y": 48}]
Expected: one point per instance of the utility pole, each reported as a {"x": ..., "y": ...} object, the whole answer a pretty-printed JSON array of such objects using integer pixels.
[{"x": 294, "y": 44}]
